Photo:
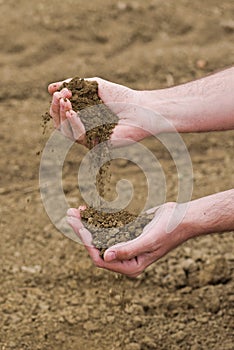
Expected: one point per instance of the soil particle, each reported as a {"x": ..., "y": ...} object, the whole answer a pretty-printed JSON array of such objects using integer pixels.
[{"x": 134, "y": 346}]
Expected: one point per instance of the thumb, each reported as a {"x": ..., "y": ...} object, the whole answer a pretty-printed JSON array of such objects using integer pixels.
[{"x": 128, "y": 250}]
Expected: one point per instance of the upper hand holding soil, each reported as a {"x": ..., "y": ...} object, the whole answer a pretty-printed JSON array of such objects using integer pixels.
[{"x": 120, "y": 99}]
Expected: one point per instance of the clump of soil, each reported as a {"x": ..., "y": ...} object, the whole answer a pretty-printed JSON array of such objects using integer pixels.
[
  {"x": 100, "y": 121},
  {"x": 109, "y": 228}
]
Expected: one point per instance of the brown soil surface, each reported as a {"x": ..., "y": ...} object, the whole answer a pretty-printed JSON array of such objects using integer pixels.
[{"x": 51, "y": 296}]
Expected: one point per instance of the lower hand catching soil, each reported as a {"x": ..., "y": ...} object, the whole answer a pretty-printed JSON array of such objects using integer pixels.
[
  {"x": 132, "y": 257},
  {"x": 206, "y": 215}
]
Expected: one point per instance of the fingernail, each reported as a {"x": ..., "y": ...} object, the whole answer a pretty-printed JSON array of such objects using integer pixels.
[{"x": 109, "y": 256}]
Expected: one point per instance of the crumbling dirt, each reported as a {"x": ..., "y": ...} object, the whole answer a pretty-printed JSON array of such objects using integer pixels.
[
  {"x": 119, "y": 226},
  {"x": 109, "y": 228},
  {"x": 99, "y": 121},
  {"x": 52, "y": 297}
]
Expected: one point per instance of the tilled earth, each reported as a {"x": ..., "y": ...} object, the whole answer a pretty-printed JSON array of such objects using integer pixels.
[{"x": 51, "y": 295}]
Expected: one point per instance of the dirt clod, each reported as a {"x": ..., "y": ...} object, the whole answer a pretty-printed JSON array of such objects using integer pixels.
[
  {"x": 99, "y": 121},
  {"x": 111, "y": 228}
]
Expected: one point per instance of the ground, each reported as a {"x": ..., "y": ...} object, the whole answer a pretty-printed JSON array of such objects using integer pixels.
[{"x": 51, "y": 296}]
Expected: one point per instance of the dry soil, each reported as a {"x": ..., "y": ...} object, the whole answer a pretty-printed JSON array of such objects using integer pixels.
[{"x": 51, "y": 296}]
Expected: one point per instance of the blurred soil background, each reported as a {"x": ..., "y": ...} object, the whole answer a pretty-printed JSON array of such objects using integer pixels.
[{"x": 51, "y": 296}]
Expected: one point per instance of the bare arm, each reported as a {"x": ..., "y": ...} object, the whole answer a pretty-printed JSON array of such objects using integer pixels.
[
  {"x": 211, "y": 214},
  {"x": 206, "y": 215},
  {"x": 206, "y": 104}
]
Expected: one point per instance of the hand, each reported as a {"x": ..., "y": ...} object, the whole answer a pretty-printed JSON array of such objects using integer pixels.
[
  {"x": 134, "y": 124},
  {"x": 132, "y": 257}
]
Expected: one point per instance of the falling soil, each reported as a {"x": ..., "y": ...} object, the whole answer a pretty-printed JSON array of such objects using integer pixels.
[
  {"x": 99, "y": 122},
  {"x": 107, "y": 228}
]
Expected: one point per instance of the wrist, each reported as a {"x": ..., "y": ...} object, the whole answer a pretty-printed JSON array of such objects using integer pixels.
[
  {"x": 194, "y": 222},
  {"x": 211, "y": 214},
  {"x": 198, "y": 106},
  {"x": 170, "y": 109}
]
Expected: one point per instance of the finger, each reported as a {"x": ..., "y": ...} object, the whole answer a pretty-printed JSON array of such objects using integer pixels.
[
  {"x": 152, "y": 210},
  {"x": 130, "y": 268},
  {"x": 55, "y": 108},
  {"x": 86, "y": 238},
  {"x": 55, "y": 105},
  {"x": 80, "y": 230},
  {"x": 121, "y": 136},
  {"x": 109, "y": 91},
  {"x": 77, "y": 126},
  {"x": 76, "y": 212},
  {"x": 130, "y": 249},
  {"x": 65, "y": 106},
  {"x": 66, "y": 130},
  {"x": 66, "y": 93},
  {"x": 52, "y": 88}
]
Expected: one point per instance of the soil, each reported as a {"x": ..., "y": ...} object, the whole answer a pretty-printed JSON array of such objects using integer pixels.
[
  {"x": 119, "y": 226},
  {"x": 108, "y": 228},
  {"x": 99, "y": 121},
  {"x": 52, "y": 297}
]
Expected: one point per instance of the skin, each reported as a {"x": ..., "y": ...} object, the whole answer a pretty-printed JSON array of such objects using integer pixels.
[
  {"x": 203, "y": 105},
  {"x": 211, "y": 214}
]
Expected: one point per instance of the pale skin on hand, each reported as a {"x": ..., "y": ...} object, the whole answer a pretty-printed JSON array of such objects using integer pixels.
[
  {"x": 203, "y": 105},
  {"x": 122, "y": 100},
  {"x": 206, "y": 215}
]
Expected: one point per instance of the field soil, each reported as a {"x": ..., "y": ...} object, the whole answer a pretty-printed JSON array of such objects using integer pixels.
[{"x": 51, "y": 295}]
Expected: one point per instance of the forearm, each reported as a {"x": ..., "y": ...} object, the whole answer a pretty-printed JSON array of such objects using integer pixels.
[
  {"x": 211, "y": 214},
  {"x": 206, "y": 104}
]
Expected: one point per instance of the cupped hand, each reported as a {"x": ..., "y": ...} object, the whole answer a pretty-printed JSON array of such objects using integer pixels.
[
  {"x": 128, "y": 267},
  {"x": 135, "y": 122},
  {"x": 132, "y": 257}
]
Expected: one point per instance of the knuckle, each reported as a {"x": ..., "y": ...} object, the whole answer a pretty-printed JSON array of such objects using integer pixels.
[{"x": 57, "y": 95}]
